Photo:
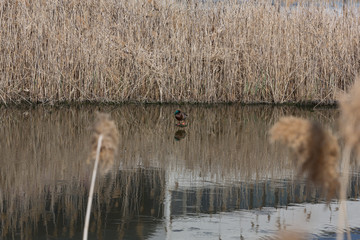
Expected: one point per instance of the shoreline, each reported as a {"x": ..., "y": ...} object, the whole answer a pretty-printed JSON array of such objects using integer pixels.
[{"x": 204, "y": 104}]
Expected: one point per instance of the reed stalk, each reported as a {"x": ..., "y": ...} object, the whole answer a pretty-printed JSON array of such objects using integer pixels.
[
  {"x": 342, "y": 221},
  {"x": 91, "y": 191}
]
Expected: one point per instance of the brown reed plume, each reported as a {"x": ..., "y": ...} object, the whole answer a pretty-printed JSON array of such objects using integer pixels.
[
  {"x": 106, "y": 127},
  {"x": 349, "y": 122},
  {"x": 316, "y": 150},
  {"x": 104, "y": 144}
]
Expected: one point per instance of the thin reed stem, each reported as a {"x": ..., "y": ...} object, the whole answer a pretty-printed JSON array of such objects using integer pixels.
[
  {"x": 91, "y": 192},
  {"x": 342, "y": 222}
]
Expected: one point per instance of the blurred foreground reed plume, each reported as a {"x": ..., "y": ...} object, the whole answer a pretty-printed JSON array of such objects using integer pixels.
[
  {"x": 349, "y": 124},
  {"x": 106, "y": 127},
  {"x": 349, "y": 121},
  {"x": 316, "y": 150},
  {"x": 104, "y": 142}
]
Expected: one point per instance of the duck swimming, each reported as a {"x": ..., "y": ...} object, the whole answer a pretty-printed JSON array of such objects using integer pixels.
[{"x": 180, "y": 116}]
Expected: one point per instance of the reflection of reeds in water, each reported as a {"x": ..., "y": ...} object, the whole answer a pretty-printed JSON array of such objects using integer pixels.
[
  {"x": 43, "y": 158},
  {"x": 316, "y": 150}
]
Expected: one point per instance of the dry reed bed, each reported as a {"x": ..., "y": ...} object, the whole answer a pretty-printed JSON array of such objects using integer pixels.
[
  {"x": 44, "y": 158},
  {"x": 116, "y": 50}
]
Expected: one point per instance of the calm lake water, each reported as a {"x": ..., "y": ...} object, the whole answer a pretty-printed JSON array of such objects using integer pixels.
[{"x": 217, "y": 178}]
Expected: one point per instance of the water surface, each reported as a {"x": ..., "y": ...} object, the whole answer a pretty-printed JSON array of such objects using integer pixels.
[{"x": 217, "y": 178}]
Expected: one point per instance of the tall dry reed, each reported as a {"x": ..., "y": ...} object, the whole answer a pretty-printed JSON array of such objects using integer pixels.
[
  {"x": 349, "y": 124},
  {"x": 349, "y": 121},
  {"x": 316, "y": 150},
  {"x": 119, "y": 50}
]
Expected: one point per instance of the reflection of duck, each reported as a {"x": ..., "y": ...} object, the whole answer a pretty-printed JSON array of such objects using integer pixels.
[
  {"x": 180, "y": 116},
  {"x": 179, "y": 134}
]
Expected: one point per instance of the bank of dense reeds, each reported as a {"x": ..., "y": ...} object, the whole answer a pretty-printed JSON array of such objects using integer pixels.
[{"x": 117, "y": 50}]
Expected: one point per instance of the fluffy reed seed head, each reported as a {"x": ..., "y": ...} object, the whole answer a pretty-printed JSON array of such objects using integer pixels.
[
  {"x": 350, "y": 117},
  {"x": 106, "y": 127},
  {"x": 316, "y": 150}
]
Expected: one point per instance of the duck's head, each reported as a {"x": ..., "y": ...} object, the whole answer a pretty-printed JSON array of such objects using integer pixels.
[{"x": 177, "y": 112}]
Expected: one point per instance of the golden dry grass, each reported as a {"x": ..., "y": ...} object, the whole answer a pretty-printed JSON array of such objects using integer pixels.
[
  {"x": 118, "y": 50},
  {"x": 316, "y": 150}
]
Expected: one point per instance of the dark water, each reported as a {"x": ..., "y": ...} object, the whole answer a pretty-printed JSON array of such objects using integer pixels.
[{"x": 217, "y": 178}]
